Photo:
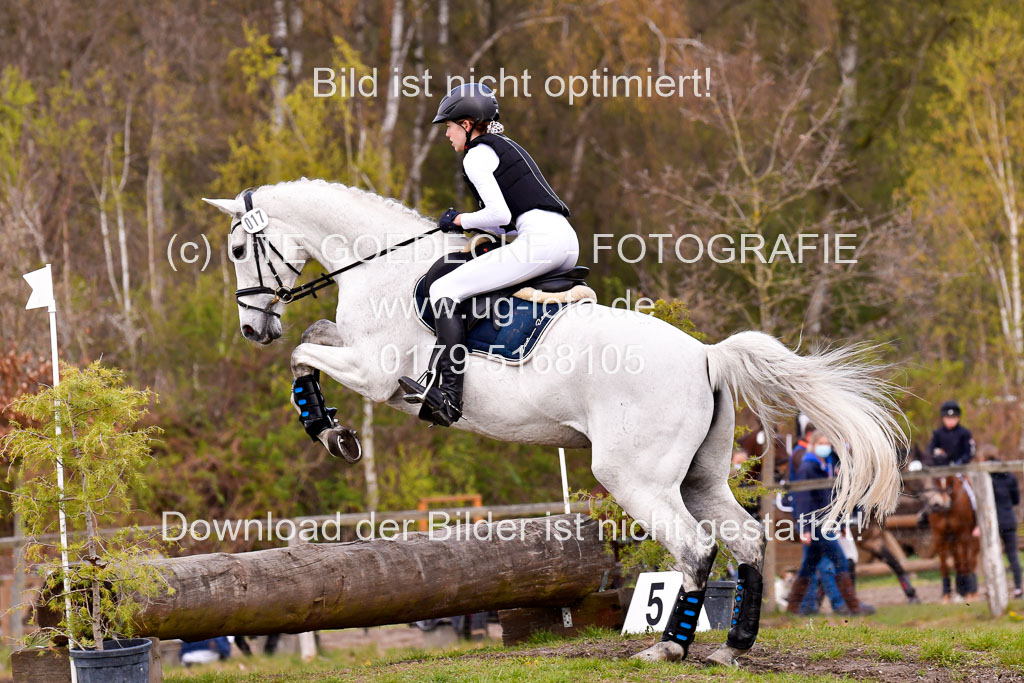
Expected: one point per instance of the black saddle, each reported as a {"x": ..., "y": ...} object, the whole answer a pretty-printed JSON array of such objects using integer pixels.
[{"x": 482, "y": 306}]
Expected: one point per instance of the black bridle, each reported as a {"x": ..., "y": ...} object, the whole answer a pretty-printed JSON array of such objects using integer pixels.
[{"x": 285, "y": 294}]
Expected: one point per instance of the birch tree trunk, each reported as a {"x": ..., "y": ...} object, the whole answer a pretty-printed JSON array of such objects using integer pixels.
[
  {"x": 155, "y": 217},
  {"x": 279, "y": 39}
]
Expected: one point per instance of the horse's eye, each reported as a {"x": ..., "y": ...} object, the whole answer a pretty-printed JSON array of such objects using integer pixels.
[{"x": 238, "y": 252}]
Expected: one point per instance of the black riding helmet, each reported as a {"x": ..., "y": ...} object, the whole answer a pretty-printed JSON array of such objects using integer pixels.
[
  {"x": 470, "y": 101},
  {"x": 473, "y": 101},
  {"x": 950, "y": 408}
]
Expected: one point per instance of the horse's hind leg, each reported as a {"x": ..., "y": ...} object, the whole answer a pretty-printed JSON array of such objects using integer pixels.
[
  {"x": 645, "y": 482},
  {"x": 317, "y": 419},
  {"x": 707, "y": 495},
  {"x": 694, "y": 552}
]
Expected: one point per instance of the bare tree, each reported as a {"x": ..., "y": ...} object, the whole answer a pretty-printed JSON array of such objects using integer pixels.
[{"x": 777, "y": 151}]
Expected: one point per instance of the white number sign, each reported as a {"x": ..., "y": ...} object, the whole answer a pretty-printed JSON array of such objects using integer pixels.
[
  {"x": 255, "y": 220},
  {"x": 653, "y": 601}
]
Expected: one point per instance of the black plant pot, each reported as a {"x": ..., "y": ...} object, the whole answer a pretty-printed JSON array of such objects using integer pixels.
[
  {"x": 120, "y": 661},
  {"x": 718, "y": 603}
]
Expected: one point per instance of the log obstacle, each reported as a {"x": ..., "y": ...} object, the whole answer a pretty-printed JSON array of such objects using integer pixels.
[{"x": 544, "y": 562}]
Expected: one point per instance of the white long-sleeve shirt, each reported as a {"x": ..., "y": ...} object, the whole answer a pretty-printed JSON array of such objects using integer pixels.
[{"x": 480, "y": 162}]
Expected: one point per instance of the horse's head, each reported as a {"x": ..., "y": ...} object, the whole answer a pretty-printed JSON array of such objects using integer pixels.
[
  {"x": 267, "y": 262},
  {"x": 936, "y": 500}
]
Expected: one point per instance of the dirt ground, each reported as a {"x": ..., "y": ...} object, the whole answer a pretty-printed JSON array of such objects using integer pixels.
[
  {"x": 856, "y": 663},
  {"x": 763, "y": 660}
]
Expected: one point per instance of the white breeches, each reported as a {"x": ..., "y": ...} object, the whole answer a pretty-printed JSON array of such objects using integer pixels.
[{"x": 546, "y": 243}]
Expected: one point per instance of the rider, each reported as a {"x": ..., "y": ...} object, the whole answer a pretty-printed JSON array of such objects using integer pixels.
[
  {"x": 511, "y": 194},
  {"x": 952, "y": 443}
]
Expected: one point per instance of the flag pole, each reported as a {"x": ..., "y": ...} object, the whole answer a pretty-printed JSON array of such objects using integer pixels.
[
  {"x": 60, "y": 472},
  {"x": 42, "y": 294},
  {"x": 565, "y": 480}
]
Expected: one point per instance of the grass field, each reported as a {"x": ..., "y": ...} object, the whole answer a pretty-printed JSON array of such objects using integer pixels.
[{"x": 906, "y": 642}]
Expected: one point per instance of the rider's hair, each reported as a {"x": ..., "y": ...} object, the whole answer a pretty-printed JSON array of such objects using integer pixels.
[{"x": 485, "y": 126}]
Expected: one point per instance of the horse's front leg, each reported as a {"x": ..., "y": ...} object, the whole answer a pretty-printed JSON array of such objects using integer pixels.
[{"x": 321, "y": 349}]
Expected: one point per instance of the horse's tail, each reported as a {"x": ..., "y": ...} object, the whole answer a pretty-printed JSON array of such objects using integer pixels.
[{"x": 843, "y": 397}]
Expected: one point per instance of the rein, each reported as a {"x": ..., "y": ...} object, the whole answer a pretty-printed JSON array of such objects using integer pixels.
[{"x": 289, "y": 294}]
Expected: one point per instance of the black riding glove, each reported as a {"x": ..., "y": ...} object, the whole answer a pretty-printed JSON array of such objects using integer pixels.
[{"x": 447, "y": 221}]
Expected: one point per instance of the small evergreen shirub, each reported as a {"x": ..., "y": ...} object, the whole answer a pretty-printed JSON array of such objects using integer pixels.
[{"x": 88, "y": 423}]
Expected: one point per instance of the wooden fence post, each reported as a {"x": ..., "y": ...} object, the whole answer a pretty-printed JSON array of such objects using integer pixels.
[
  {"x": 991, "y": 548},
  {"x": 17, "y": 611}
]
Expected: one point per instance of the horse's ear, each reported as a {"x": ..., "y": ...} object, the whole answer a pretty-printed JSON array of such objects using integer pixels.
[{"x": 234, "y": 207}]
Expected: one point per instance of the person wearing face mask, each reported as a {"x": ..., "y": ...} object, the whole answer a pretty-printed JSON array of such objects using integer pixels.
[{"x": 820, "y": 542}]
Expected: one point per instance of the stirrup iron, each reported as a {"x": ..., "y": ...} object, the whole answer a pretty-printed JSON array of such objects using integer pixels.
[{"x": 416, "y": 390}]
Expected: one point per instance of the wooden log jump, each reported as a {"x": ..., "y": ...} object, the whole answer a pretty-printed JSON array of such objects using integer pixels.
[{"x": 371, "y": 583}]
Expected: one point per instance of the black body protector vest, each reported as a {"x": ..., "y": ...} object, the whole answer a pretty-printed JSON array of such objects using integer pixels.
[{"x": 520, "y": 180}]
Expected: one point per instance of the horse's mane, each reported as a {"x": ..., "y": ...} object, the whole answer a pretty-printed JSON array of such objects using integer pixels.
[{"x": 387, "y": 202}]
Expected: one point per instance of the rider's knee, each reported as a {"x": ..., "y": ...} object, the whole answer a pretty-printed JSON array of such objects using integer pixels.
[{"x": 439, "y": 290}]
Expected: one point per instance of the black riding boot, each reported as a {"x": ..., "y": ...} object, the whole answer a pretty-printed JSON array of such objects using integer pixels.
[{"x": 440, "y": 388}]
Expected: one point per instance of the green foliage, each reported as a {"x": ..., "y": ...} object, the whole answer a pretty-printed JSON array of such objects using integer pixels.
[
  {"x": 649, "y": 555},
  {"x": 675, "y": 313},
  {"x": 16, "y": 97},
  {"x": 93, "y": 438},
  {"x": 315, "y": 139}
]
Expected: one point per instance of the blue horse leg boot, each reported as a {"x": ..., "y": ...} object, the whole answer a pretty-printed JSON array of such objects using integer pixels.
[
  {"x": 746, "y": 611},
  {"x": 682, "y": 623},
  {"x": 313, "y": 413}
]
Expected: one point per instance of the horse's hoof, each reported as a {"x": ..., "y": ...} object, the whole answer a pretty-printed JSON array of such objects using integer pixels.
[
  {"x": 725, "y": 656},
  {"x": 663, "y": 651},
  {"x": 342, "y": 442}
]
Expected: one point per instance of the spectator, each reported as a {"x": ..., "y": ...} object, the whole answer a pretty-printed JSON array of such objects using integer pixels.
[
  {"x": 818, "y": 541},
  {"x": 802, "y": 446},
  {"x": 823, "y": 582},
  {"x": 205, "y": 651},
  {"x": 739, "y": 458},
  {"x": 1007, "y": 495},
  {"x": 952, "y": 443},
  {"x": 269, "y": 647}
]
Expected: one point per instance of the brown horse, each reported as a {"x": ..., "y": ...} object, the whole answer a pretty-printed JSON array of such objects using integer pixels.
[{"x": 952, "y": 520}]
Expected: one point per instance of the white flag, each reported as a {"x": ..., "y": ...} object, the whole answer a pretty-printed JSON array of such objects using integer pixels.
[{"x": 42, "y": 288}]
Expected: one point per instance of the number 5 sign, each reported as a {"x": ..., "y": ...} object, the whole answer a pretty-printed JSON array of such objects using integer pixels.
[{"x": 652, "y": 603}]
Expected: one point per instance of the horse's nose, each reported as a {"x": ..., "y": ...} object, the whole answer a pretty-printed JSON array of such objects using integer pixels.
[{"x": 248, "y": 332}]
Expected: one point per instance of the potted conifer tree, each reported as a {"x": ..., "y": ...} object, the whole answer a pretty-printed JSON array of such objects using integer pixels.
[{"x": 86, "y": 427}]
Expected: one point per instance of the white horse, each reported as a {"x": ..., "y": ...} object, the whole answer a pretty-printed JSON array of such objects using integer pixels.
[{"x": 660, "y": 423}]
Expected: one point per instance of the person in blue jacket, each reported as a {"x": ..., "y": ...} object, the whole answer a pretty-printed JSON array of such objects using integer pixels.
[{"x": 819, "y": 542}]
